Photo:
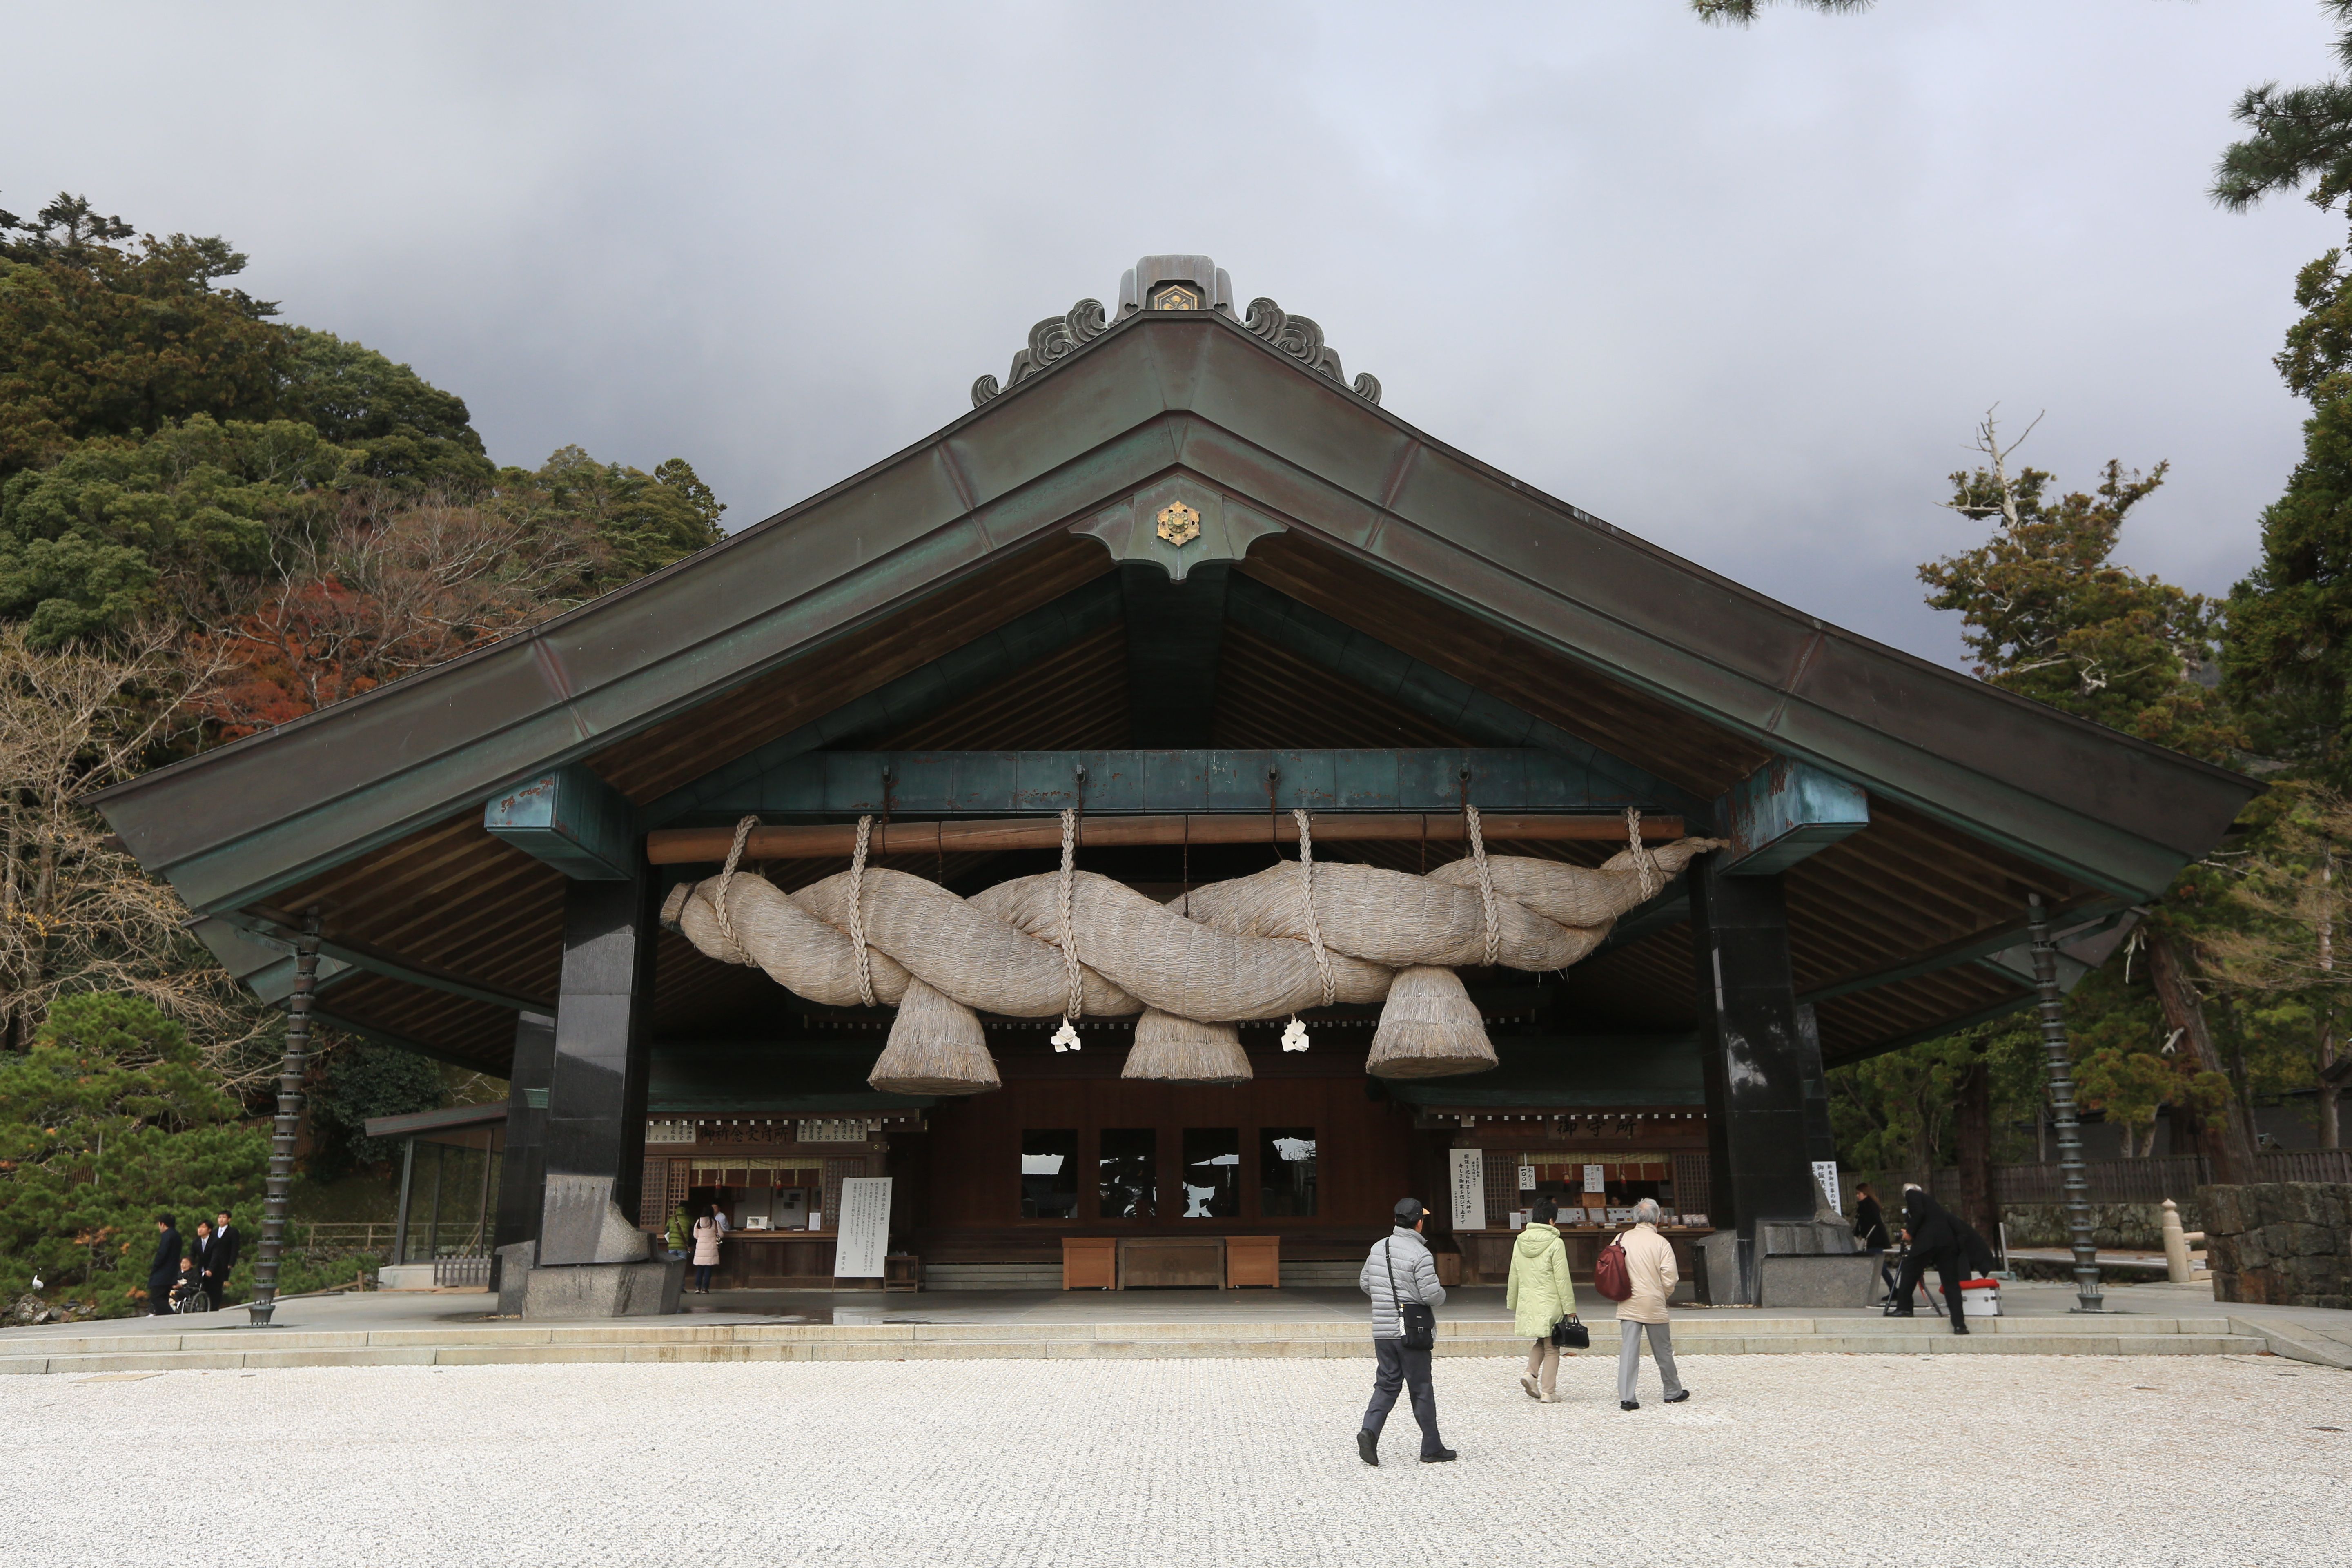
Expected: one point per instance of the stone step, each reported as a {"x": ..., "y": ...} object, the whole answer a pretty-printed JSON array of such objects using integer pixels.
[
  {"x": 994, "y": 1276},
  {"x": 657, "y": 1341}
]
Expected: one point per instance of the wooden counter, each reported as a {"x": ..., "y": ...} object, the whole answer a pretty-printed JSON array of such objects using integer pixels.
[
  {"x": 1486, "y": 1254},
  {"x": 779, "y": 1260}
]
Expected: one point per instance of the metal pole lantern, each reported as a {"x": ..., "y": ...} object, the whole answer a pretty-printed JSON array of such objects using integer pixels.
[
  {"x": 290, "y": 1116},
  {"x": 2074, "y": 1181}
]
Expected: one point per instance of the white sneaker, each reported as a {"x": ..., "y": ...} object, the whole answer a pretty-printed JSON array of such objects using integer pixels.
[{"x": 1533, "y": 1391}]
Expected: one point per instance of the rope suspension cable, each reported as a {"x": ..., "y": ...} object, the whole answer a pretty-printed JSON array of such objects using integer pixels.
[
  {"x": 726, "y": 878},
  {"x": 1294, "y": 1035},
  {"x": 1645, "y": 864},
  {"x": 1066, "y": 1038},
  {"x": 1485, "y": 884},
  {"x": 857, "y": 913}
]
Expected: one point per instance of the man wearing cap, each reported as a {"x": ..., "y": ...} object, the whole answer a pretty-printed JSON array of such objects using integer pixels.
[{"x": 1401, "y": 1271}]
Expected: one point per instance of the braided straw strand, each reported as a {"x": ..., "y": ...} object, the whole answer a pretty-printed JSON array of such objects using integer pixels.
[
  {"x": 718, "y": 897},
  {"x": 1645, "y": 865},
  {"x": 1069, "y": 927},
  {"x": 1485, "y": 885},
  {"x": 1314, "y": 927},
  {"x": 857, "y": 911}
]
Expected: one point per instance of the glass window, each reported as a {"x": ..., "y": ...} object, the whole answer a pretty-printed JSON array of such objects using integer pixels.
[
  {"x": 1212, "y": 1172},
  {"x": 1049, "y": 1174},
  {"x": 1129, "y": 1172},
  {"x": 1285, "y": 1172}
]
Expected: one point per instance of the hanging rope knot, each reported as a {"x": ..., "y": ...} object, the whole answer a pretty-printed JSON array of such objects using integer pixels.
[
  {"x": 1077, "y": 1006},
  {"x": 719, "y": 899},
  {"x": 1485, "y": 884},
  {"x": 1645, "y": 865},
  {"x": 857, "y": 911},
  {"x": 1314, "y": 927}
]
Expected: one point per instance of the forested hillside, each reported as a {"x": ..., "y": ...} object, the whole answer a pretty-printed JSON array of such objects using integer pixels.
[{"x": 211, "y": 521}]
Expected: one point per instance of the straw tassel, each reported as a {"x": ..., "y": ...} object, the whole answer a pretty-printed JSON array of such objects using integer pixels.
[
  {"x": 1171, "y": 1050},
  {"x": 1429, "y": 1028},
  {"x": 935, "y": 1047}
]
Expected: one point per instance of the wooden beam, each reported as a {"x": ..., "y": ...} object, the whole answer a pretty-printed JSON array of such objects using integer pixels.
[
  {"x": 693, "y": 846},
  {"x": 1785, "y": 811}
]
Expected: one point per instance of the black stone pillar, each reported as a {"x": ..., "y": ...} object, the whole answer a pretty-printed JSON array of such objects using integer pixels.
[
  {"x": 1759, "y": 1055},
  {"x": 595, "y": 1128},
  {"x": 522, "y": 1171}
]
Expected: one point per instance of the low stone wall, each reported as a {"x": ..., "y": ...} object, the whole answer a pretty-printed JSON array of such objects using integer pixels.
[
  {"x": 2124, "y": 1227},
  {"x": 2286, "y": 1243}
]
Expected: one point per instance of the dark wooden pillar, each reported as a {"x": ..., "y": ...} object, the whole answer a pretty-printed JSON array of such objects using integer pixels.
[
  {"x": 1759, "y": 1056},
  {"x": 595, "y": 1127},
  {"x": 522, "y": 1171}
]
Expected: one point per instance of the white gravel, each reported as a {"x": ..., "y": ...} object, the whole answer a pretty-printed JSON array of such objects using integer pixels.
[{"x": 1776, "y": 1459}]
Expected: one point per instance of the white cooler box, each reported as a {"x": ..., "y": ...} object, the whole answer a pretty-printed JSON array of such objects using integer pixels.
[{"x": 1981, "y": 1298}]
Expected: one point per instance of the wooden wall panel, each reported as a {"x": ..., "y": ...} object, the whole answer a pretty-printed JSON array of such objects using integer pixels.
[{"x": 971, "y": 1199}]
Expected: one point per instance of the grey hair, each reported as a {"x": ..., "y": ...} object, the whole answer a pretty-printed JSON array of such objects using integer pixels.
[{"x": 1646, "y": 1211}]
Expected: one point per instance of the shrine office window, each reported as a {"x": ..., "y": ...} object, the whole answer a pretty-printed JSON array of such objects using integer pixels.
[
  {"x": 1049, "y": 1174},
  {"x": 1130, "y": 1170},
  {"x": 1285, "y": 1172},
  {"x": 1212, "y": 1172}
]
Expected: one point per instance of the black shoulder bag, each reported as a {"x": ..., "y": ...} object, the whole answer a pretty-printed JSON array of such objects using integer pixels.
[
  {"x": 1419, "y": 1325},
  {"x": 1570, "y": 1334}
]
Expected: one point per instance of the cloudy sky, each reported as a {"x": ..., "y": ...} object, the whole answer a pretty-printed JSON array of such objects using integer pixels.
[{"x": 1744, "y": 293}]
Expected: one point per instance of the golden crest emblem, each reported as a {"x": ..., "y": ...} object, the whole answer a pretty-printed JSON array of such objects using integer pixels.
[
  {"x": 1176, "y": 297},
  {"x": 1179, "y": 523}
]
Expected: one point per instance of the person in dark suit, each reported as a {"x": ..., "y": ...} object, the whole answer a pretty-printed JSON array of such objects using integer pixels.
[
  {"x": 1934, "y": 1239},
  {"x": 163, "y": 1268},
  {"x": 200, "y": 1253},
  {"x": 223, "y": 1257},
  {"x": 1870, "y": 1232}
]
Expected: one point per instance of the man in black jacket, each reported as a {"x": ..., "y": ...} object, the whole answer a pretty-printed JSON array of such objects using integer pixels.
[
  {"x": 220, "y": 1259},
  {"x": 1935, "y": 1238},
  {"x": 1870, "y": 1232},
  {"x": 163, "y": 1268}
]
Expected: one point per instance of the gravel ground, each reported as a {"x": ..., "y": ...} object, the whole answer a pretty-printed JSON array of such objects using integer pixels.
[{"x": 1776, "y": 1459}]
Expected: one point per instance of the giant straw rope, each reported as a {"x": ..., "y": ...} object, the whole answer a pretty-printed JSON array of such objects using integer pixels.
[{"x": 1072, "y": 944}]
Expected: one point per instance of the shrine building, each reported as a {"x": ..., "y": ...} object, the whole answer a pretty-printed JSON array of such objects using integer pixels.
[{"x": 1176, "y": 593}]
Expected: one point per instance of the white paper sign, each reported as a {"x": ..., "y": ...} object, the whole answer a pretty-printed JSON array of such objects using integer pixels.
[
  {"x": 1469, "y": 1188},
  {"x": 1527, "y": 1178},
  {"x": 1593, "y": 1180},
  {"x": 1825, "y": 1173},
  {"x": 864, "y": 1223}
]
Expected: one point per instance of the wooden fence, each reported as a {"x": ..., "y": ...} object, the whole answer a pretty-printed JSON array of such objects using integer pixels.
[{"x": 2149, "y": 1181}]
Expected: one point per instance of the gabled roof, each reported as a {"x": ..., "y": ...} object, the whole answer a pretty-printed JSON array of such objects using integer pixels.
[{"x": 372, "y": 807}]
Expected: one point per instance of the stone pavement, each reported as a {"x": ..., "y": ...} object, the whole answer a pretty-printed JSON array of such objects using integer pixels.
[
  {"x": 1807, "y": 1461},
  {"x": 453, "y": 1329}
]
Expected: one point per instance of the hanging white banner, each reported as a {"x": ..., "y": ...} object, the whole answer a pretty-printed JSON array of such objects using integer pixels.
[
  {"x": 865, "y": 1221},
  {"x": 1469, "y": 1188}
]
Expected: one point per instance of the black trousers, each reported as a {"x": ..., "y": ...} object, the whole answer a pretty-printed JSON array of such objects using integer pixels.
[
  {"x": 1948, "y": 1275},
  {"x": 215, "y": 1289},
  {"x": 159, "y": 1294},
  {"x": 1400, "y": 1369}
]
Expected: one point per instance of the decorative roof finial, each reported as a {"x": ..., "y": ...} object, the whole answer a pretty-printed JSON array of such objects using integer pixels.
[{"x": 1172, "y": 283}]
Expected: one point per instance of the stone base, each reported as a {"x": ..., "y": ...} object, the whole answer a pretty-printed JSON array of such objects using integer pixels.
[
  {"x": 512, "y": 1274},
  {"x": 602, "y": 1289},
  {"x": 405, "y": 1277},
  {"x": 1721, "y": 1281},
  {"x": 1819, "y": 1279}
]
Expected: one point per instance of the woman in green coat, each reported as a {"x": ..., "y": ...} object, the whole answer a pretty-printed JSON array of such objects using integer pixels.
[{"x": 1540, "y": 1295}]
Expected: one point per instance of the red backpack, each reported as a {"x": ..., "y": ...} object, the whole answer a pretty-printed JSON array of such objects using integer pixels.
[{"x": 1609, "y": 1275}]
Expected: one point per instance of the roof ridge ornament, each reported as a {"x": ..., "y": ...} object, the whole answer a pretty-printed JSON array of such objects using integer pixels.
[
  {"x": 1301, "y": 337},
  {"x": 1051, "y": 341},
  {"x": 1172, "y": 283}
]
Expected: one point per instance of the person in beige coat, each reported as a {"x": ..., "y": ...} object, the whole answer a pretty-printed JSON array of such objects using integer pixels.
[{"x": 1650, "y": 1267}]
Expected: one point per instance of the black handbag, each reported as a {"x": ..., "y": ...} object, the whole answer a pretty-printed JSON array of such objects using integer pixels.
[
  {"x": 1570, "y": 1334},
  {"x": 1419, "y": 1322}
]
